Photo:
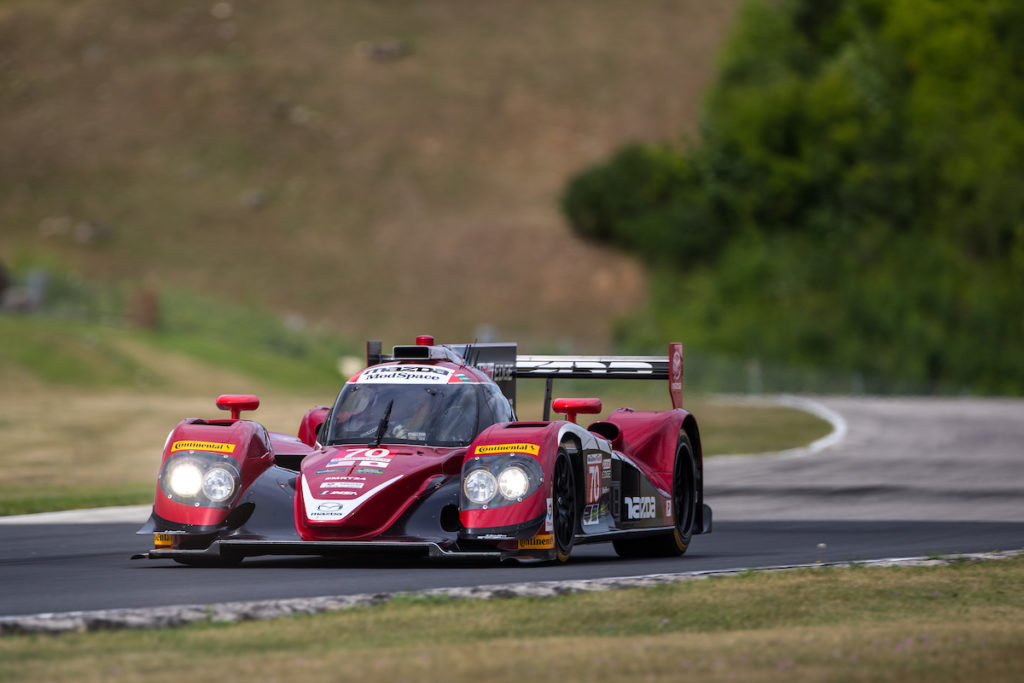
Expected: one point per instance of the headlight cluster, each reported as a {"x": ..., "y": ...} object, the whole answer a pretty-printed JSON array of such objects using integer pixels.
[
  {"x": 200, "y": 479},
  {"x": 492, "y": 481}
]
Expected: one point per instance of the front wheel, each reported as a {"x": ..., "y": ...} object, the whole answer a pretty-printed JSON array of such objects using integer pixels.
[{"x": 564, "y": 512}]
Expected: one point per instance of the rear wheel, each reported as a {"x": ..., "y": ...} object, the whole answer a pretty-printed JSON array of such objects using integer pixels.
[
  {"x": 564, "y": 512},
  {"x": 684, "y": 512}
]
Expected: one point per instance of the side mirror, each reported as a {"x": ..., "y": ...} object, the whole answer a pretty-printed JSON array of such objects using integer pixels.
[
  {"x": 236, "y": 403},
  {"x": 571, "y": 407}
]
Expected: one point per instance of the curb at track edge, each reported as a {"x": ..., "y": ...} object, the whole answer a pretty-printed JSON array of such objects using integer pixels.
[
  {"x": 231, "y": 612},
  {"x": 838, "y": 423}
]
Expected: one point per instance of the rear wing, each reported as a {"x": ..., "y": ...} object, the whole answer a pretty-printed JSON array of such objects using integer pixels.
[
  {"x": 505, "y": 366},
  {"x": 549, "y": 368}
]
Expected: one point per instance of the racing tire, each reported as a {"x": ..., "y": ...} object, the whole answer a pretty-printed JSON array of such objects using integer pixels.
[
  {"x": 565, "y": 511},
  {"x": 684, "y": 512}
]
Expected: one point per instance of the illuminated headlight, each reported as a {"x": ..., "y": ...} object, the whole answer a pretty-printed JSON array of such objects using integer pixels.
[
  {"x": 218, "y": 484},
  {"x": 480, "y": 486},
  {"x": 513, "y": 483},
  {"x": 185, "y": 479}
]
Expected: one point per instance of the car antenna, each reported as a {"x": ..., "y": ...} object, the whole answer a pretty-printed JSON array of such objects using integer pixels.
[{"x": 382, "y": 428}]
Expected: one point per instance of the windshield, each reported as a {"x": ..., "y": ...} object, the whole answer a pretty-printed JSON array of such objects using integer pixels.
[{"x": 434, "y": 415}]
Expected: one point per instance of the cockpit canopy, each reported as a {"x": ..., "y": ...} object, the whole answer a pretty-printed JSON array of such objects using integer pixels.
[{"x": 422, "y": 414}]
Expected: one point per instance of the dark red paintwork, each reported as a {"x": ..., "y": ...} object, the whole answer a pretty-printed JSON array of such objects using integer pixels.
[{"x": 404, "y": 472}]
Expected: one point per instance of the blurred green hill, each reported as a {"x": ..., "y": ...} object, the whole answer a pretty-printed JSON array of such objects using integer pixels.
[
  {"x": 854, "y": 200},
  {"x": 381, "y": 168}
]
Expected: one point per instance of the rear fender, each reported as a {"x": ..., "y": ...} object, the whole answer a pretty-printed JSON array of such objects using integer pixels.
[{"x": 649, "y": 439}]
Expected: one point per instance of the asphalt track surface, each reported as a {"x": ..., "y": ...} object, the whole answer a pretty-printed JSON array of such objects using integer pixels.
[{"x": 898, "y": 478}]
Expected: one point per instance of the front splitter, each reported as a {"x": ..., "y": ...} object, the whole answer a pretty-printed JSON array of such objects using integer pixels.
[{"x": 246, "y": 548}]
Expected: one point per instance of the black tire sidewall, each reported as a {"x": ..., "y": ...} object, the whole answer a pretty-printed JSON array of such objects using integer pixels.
[
  {"x": 684, "y": 494},
  {"x": 563, "y": 548}
]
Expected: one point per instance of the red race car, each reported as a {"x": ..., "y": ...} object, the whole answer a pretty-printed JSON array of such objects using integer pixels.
[{"x": 422, "y": 451}]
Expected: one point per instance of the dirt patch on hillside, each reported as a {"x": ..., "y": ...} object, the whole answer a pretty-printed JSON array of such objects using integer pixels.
[{"x": 388, "y": 168}]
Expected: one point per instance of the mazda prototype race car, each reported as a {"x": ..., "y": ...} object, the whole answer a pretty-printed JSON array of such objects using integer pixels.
[{"x": 422, "y": 451}]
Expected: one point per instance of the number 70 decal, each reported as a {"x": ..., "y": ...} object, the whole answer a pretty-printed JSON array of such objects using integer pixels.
[
  {"x": 371, "y": 453},
  {"x": 593, "y": 483}
]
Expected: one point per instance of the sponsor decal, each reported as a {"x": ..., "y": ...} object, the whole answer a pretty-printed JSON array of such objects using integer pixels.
[
  {"x": 370, "y": 453},
  {"x": 495, "y": 537},
  {"x": 320, "y": 510},
  {"x": 668, "y": 508},
  {"x": 362, "y": 457},
  {"x": 368, "y": 470},
  {"x": 528, "y": 448},
  {"x": 344, "y": 478},
  {"x": 339, "y": 492},
  {"x": 593, "y": 481},
  {"x": 595, "y": 367},
  {"x": 639, "y": 507},
  {"x": 341, "y": 485},
  {"x": 404, "y": 374},
  {"x": 538, "y": 542},
  {"x": 347, "y": 462},
  {"x": 202, "y": 446},
  {"x": 591, "y": 515},
  {"x": 461, "y": 377},
  {"x": 549, "y": 519}
]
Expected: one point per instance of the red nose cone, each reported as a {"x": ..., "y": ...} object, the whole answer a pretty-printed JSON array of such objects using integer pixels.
[{"x": 424, "y": 340}]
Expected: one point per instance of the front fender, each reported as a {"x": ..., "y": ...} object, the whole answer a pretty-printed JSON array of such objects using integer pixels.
[
  {"x": 533, "y": 447},
  {"x": 241, "y": 447}
]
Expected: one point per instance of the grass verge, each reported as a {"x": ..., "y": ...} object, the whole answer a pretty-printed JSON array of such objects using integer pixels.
[
  {"x": 103, "y": 448},
  {"x": 946, "y": 623},
  {"x": 19, "y": 502},
  {"x": 86, "y": 407}
]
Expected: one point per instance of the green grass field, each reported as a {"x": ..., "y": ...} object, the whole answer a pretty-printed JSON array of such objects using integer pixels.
[{"x": 951, "y": 623}]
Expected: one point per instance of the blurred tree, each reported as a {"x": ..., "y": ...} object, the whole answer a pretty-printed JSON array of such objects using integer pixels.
[{"x": 856, "y": 199}]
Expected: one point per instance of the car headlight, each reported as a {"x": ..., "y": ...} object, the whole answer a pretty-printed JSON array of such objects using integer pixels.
[
  {"x": 218, "y": 484},
  {"x": 200, "y": 479},
  {"x": 480, "y": 486},
  {"x": 500, "y": 479},
  {"x": 513, "y": 483},
  {"x": 185, "y": 479}
]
